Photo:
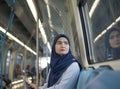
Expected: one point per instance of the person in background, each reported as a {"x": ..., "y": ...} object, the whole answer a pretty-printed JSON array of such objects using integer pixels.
[
  {"x": 112, "y": 44},
  {"x": 17, "y": 70},
  {"x": 64, "y": 68},
  {"x": 28, "y": 71},
  {"x": 6, "y": 82},
  {"x": 33, "y": 70}
]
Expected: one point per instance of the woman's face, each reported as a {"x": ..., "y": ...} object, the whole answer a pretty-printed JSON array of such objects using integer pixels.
[
  {"x": 62, "y": 46},
  {"x": 114, "y": 39}
]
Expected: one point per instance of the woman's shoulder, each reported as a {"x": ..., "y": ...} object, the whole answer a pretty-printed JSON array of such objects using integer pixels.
[
  {"x": 74, "y": 64},
  {"x": 74, "y": 67},
  {"x": 77, "y": 62}
]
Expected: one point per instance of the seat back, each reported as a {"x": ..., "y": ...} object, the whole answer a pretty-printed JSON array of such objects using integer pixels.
[{"x": 101, "y": 78}]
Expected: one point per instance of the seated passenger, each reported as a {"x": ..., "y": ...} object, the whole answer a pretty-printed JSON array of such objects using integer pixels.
[
  {"x": 112, "y": 43},
  {"x": 64, "y": 67}
]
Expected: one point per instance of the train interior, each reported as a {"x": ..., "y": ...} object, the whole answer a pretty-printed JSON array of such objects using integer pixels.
[{"x": 27, "y": 30}]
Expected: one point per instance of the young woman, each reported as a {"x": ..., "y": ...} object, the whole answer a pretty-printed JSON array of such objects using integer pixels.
[
  {"x": 112, "y": 43},
  {"x": 64, "y": 68}
]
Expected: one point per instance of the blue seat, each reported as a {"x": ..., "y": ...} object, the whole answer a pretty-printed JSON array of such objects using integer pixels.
[{"x": 101, "y": 78}]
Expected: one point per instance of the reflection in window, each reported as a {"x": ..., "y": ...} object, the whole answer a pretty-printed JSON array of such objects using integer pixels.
[
  {"x": 112, "y": 44},
  {"x": 104, "y": 15}
]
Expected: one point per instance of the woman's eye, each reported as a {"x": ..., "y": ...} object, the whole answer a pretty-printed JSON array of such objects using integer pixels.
[
  {"x": 59, "y": 42},
  {"x": 66, "y": 43}
]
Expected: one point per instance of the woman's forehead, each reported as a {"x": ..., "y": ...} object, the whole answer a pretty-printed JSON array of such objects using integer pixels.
[
  {"x": 62, "y": 39},
  {"x": 114, "y": 32}
]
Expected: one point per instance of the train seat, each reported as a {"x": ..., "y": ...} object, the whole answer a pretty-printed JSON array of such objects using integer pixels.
[{"x": 101, "y": 78}]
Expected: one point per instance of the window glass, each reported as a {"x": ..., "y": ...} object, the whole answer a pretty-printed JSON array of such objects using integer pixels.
[
  {"x": 8, "y": 61},
  {"x": 104, "y": 25},
  {"x": 17, "y": 67}
]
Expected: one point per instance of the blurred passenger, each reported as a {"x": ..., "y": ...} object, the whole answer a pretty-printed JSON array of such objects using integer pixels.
[
  {"x": 112, "y": 43},
  {"x": 6, "y": 82},
  {"x": 33, "y": 70},
  {"x": 17, "y": 70},
  {"x": 65, "y": 68},
  {"x": 44, "y": 74},
  {"x": 28, "y": 71}
]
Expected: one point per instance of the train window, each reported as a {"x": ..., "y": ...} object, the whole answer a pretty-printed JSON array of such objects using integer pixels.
[
  {"x": 17, "y": 67},
  {"x": 8, "y": 61},
  {"x": 19, "y": 59},
  {"x": 102, "y": 21}
]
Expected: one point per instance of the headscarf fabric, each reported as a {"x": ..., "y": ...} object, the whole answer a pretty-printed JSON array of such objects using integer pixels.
[
  {"x": 111, "y": 53},
  {"x": 59, "y": 63}
]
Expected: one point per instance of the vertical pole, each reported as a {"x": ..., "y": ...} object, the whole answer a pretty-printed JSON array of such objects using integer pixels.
[
  {"x": 2, "y": 41},
  {"x": 37, "y": 56},
  {"x": 25, "y": 57}
]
